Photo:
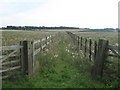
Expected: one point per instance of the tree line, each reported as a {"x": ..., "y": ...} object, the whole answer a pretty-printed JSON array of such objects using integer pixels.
[
  {"x": 102, "y": 30},
  {"x": 35, "y": 27}
]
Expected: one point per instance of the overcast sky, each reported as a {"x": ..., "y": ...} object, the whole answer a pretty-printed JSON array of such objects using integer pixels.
[{"x": 76, "y": 13}]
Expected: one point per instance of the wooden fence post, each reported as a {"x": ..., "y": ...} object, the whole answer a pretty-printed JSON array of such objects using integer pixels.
[
  {"x": 95, "y": 49},
  {"x": 27, "y": 57},
  {"x": 74, "y": 39},
  {"x": 85, "y": 47},
  {"x": 46, "y": 41},
  {"x": 81, "y": 40},
  {"x": 51, "y": 38},
  {"x": 32, "y": 55},
  {"x": 102, "y": 52},
  {"x": 90, "y": 44},
  {"x": 78, "y": 42},
  {"x": 41, "y": 44}
]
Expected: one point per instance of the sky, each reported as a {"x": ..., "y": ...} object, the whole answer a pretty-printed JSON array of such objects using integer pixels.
[{"x": 73, "y": 13}]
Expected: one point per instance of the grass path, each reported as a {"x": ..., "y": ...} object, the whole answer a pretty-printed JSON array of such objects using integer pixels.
[{"x": 60, "y": 67}]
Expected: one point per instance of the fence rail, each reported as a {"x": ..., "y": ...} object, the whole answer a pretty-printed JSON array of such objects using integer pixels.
[
  {"x": 9, "y": 69},
  {"x": 99, "y": 51},
  {"x": 7, "y": 56},
  {"x": 10, "y": 56},
  {"x": 25, "y": 54},
  {"x": 113, "y": 47},
  {"x": 10, "y": 62},
  {"x": 3, "y": 48}
]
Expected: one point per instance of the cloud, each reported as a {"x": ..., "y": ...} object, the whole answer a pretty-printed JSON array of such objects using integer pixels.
[
  {"x": 80, "y": 13},
  {"x": 10, "y": 10},
  {"x": 7, "y": 8},
  {"x": 9, "y": 1}
]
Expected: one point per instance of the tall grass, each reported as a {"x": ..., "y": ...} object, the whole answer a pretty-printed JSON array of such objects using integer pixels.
[
  {"x": 61, "y": 66},
  {"x": 14, "y": 37},
  {"x": 111, "y": 36}
]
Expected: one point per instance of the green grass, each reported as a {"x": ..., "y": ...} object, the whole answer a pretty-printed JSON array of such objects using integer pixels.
[
  {"x": 113, "y": 41},
  {"x": 60, "y": 67}
]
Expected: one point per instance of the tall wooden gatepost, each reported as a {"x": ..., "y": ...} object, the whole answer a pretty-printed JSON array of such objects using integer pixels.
[
  {"x": 27, "y": 57},
  {"x": 101, "y": 55}
]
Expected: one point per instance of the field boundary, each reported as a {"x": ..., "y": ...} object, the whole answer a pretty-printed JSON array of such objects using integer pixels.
[
  {"x": 97, "y": 53},
  {"x": 26, "y": 53}
]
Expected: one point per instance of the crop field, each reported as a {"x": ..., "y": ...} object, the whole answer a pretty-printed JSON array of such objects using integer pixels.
[
  {"x": 60, "y": 65},
  {"x": 14, "y": 37},
  {"x": 111, "y": 36}
]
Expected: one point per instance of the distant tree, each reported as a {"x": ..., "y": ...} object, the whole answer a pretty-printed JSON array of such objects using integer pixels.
[{"x": 34, "y": 27}]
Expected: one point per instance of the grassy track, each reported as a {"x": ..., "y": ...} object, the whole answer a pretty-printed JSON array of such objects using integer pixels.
[{"x": 60, "y": 67}]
